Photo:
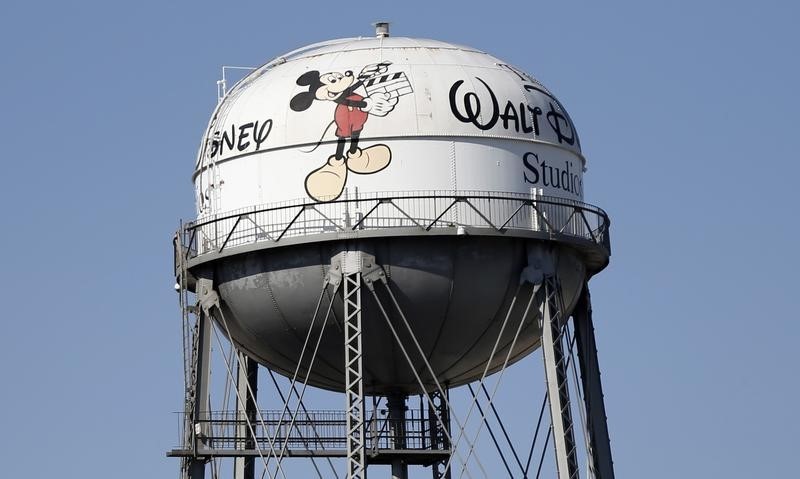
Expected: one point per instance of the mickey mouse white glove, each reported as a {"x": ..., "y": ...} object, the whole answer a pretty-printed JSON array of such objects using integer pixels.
[{"x": 379, "y": 104}]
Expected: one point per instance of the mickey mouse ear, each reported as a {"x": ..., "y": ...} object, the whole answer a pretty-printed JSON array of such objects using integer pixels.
[
  {"x": 302, "y": 101},
  {"x": 308, "y": 78}
]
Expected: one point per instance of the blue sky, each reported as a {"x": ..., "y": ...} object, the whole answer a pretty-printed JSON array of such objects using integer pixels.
[{"x": 687, "y": 115}]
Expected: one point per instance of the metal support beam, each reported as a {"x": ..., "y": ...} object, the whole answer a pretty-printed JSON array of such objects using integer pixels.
[
  {"x": 246, "y": 381},
  {"x": 350, "y": 268},
  {"x": 597, "y": 425},
  {"x": 201, "y": 353},
  {"x": 553, "y": 319},
  {"x": 349, "y": 263},
  {"x": 439, "y": 432},
  {"x": 397, "y": 424}
]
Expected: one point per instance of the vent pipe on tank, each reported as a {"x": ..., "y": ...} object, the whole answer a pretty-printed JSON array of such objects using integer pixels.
[{"x": 382, "y": 29}]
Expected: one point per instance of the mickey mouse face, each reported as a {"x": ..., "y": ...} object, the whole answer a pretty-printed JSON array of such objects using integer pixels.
[
  {"x": 333, "y": 84},
  {"x": 327, "y": 86}
]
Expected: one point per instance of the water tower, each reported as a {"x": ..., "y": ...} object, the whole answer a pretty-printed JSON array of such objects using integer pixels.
[{"x": 388, "y": 218}]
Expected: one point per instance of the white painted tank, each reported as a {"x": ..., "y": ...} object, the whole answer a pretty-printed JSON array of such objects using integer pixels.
[{"x": 385, "y": 114}]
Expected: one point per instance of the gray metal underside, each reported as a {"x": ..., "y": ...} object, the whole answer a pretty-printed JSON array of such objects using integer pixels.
[{"x": 455, "y": 291}]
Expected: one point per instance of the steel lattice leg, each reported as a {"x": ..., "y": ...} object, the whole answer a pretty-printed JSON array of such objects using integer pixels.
[
  {"x": 597, "y": 425},
  {"x": 553, "y": 320},
  {"x": 246, "y": 381},
  {"x": 439, "y": 434},
  {"x": 356, "y": 464},
  {"x": 396, "y": 404},
  {"x": 199, "y": 387}
]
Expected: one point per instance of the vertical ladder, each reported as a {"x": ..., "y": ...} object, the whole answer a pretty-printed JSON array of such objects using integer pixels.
[
  {"x": 200, "y": 413},
  {"x": 207, "y": 299}
]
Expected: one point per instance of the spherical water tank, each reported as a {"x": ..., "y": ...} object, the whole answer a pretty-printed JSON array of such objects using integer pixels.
[{"x": 453, "y": 168}]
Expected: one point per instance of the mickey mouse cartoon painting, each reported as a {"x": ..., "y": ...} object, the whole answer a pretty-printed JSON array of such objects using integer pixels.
[{"x": 372, "y": 92}]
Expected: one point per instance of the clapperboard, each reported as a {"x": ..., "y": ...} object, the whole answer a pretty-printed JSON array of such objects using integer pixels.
[{"x": 395, "y": 84}]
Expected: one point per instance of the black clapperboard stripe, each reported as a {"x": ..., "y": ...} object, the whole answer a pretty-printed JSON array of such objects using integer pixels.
[{"x": 384, "y": 78}]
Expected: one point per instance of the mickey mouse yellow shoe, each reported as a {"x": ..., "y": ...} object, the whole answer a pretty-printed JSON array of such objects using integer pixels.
[
  {"x": 327, "y": 182},
  {"x": 369, "y": 160}
]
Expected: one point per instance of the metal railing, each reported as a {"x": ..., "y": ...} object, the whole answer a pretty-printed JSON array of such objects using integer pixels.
[
  {"x": 421, "y": 211},
  {"x": 316, "y": 430}
]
